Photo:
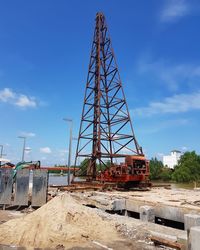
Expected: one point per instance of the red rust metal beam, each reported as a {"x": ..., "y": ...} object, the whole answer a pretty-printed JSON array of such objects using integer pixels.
[{"x": 105, "y": 116}]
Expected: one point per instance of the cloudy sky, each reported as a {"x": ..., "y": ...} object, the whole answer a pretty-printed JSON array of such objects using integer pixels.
[{"x": 44, "y": 55}]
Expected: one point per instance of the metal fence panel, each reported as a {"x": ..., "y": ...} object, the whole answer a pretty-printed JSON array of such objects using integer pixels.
[
  {"x": 22, "y": 187},
  {"x": 40, "y": 185},
  {"x": 6, "y": 181}
]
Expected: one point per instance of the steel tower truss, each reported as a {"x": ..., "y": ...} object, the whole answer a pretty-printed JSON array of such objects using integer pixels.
[{"x": 106, "y": 131}]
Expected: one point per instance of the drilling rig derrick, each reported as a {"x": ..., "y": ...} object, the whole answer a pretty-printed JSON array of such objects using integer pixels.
[{"x": 106, "y": 134}]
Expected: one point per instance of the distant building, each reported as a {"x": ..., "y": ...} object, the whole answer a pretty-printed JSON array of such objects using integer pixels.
[{"x": 171, "y": 160}]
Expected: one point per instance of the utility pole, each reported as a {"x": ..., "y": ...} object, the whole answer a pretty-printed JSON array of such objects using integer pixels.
[
  {"x": 70, "y": 148},
  {"x": 1, "y": 153},
  {"x": 1, "y": 150},
  {"x": 24, "y": 146}
]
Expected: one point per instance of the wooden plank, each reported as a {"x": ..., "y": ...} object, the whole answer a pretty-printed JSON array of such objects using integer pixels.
[
  {"x": 22, "y": 187},
  {"x": 165, "y": 242},
  {"x": 40, "y": 185},
  {"x": 6, "y": 182}
]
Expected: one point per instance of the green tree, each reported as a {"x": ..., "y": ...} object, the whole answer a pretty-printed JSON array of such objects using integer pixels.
[
  {"x": 102, "y": 167},
  {"x": 156, "y": 167},
  {"x": 188, "y": 168},
  {"x": 83, "y": 166},
  {"x": 166, "y": 174}
]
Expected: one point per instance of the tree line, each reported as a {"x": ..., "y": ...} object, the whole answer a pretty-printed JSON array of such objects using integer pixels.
[{"x": 187, "y": 169}]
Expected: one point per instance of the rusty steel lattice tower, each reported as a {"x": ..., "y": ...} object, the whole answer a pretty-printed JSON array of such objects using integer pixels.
[{"x": 106, "y": 130}]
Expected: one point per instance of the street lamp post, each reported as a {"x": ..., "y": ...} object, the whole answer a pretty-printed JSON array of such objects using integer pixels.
[
  {"x": 76, "y": 139},
  {"x": 70, "y": 148},
  {"x": 1, "y": 150},
  {"x": 1, "y": 153},
  {"x": 24, "y": 146}
]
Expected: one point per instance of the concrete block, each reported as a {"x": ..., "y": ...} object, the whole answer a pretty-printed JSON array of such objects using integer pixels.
[
  {"x": 183, "y": 240},
  {"x": 191, "y": 220},
  {"x": 147, "y": 213},
  {"x": 194, "y": 238},
  {"x": 119, "y": 204},
  {"x": 164, "y": 236},
  {"x": 124, "y": 212},
  {"x": 169, "y": 212},
  {"x": 133, "y": 205}
]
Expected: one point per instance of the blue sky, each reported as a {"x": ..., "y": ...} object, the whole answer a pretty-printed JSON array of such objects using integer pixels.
[{"x": 44, "y": 55}]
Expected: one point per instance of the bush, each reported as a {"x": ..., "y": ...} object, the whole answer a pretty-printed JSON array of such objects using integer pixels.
[
  {"x": 188, "y": 168},
  {"x": 166, "y": 174},
  {"x": 155, "y": 169}
]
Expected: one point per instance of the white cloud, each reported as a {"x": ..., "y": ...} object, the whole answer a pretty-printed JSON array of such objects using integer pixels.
[
  {"x": 45, "y": 150},
  {"x": 174, "y": 104},
  {"x": 6, "y": 95},
  {"x": 174, "y": 9},
  {"x": 63, "y": 152},
  {"x": 63, "y": 160},
  {"x": 169, "y": 74},
  {"x": 160, "y": 156},
  {"x": 184, "y": 149},
  {"x": 28, "y": 134},
  {"x": 25, "y": 101},
  {"x": 9, "y": 96},
  {"x": 28, "y": 150},
  {"x": 126, "y": 150}
]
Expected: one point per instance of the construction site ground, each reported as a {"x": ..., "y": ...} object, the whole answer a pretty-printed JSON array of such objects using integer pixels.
[
  {"x": 183, "y": 199},
  {"x": 66, "y": 222}
]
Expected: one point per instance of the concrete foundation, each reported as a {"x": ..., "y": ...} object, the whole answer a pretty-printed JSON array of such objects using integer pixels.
[
  {"x": 174, "y": 208},
  {"x": 191, "y": 220},
  {"x": 172, "y": 205},
  {"x": 194, "y": 238},
  {"x": 147, "y": 213}
]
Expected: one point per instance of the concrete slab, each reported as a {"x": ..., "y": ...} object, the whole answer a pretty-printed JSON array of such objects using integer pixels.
[
  {"x": 6, "y": 182},
  {"x": 167, "y": 204},
  {"x": 164, "y": 236},
  {"x": 21, "y": 187},
  {"x": 194, "y": 238},
  {"x": 191, "y": 220},
  {"x": 40, "y": 184}
]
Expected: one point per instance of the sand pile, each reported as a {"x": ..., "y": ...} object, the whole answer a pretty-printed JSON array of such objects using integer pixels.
[{"x": 62, "y": 221}]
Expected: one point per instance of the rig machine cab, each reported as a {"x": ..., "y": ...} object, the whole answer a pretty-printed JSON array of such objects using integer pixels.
[{"x": 133, "y": 173}]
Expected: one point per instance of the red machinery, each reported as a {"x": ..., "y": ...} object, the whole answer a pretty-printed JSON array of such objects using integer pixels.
[
  {"x": 106, "y": 135},
  {"x": 133, "y": 173}
]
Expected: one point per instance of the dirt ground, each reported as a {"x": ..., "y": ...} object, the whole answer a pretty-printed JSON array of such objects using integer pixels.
[
  {"x": 64, "y": 223},
  {"x": 6, "y": 215}
]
